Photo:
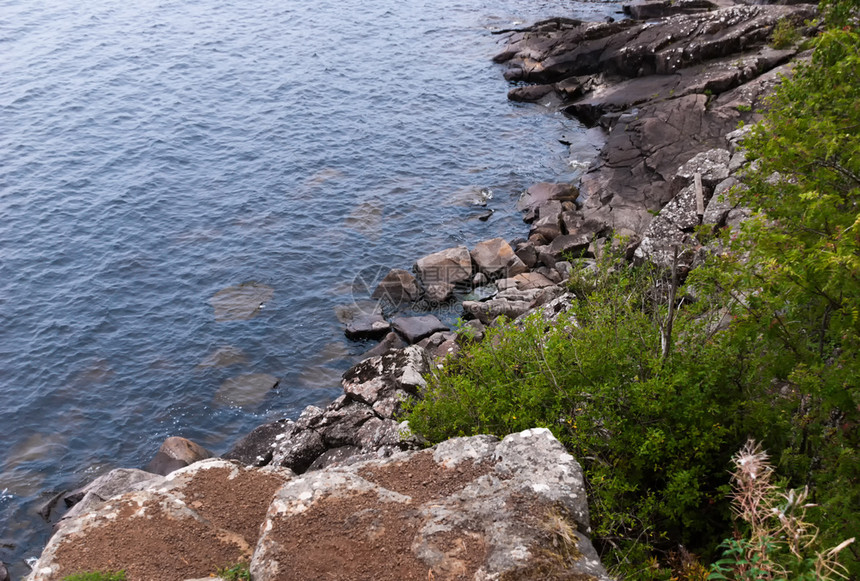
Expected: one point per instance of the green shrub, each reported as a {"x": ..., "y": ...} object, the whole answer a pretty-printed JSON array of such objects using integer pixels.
[
  {"x": 785, "y": 34},
  {"x": 238, "y": 572},
  {"x": 654, "y": 433}
]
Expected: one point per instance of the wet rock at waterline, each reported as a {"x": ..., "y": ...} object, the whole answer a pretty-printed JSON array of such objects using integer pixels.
[
  {"x": 391, "y": 341},
  {"x": 176, "y": 452},
  {"x": 4, "y": 574},
  {"x": 414, "y": 329},
  {"x": 240, "y": 302},
  {"x": 255, "y": 449},
  {"x": 398, "y": 288},
  {"x": 246, "y": 390},
  {"x": 440, "y": 272},
  {"x": 367, "y": 326},
  {"x": 541, "y": 193}
]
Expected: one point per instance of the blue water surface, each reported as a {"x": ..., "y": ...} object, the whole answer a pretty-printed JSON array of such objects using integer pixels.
[{"x": 153, "y": 153}]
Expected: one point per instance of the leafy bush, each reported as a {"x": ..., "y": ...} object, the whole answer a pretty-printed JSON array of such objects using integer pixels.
[{"x": 654, "y": 433}]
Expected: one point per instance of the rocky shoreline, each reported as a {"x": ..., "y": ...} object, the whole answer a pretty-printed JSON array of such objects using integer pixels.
[{"x": 670, "y": 94}]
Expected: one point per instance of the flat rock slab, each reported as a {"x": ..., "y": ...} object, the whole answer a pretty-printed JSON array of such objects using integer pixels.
[
  {"x": 368, "y": 326},
  {"x": 470, "y": 508},
  {"x": 413, "y": 329}
]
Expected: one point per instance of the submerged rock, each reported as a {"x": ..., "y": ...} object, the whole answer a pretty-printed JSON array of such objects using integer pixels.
[
  {"x": 241, "y": 302},
  {"x": 246, "y": 390},
  {"x": 224, "y": 356}
]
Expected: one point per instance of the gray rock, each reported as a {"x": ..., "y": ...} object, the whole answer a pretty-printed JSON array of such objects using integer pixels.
[
  {"x": 711, "y": 165},
  {"x": 480, "y": 279},
  {"x": 568, "y": 246},
  {"x": 256, "y": 448},
  {"x": 298, "y": 450},
  {"x": 116, "y": 482},
  {"x": 526, "y": 252},
  {"x": 719, "y": 206},
  {"x": 379, "y": 377},
  {"x": 413, "y": 329},
  {"x": 4, "y": 573},
  {"x": 433, "y": 341},
  {"x": 398, "y": 288},
  {"x": 369, "y": 326},
  {"x": 391, "y": 341},
  {"x": 510, "y": 303},
  {"x": 440, "y": 272},
  {"x": 526, "y": 473},
  {"x": 337, "y": 456}
]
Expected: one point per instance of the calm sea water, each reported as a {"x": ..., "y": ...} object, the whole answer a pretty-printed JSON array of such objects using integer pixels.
[{"x": 153, "y": 153}]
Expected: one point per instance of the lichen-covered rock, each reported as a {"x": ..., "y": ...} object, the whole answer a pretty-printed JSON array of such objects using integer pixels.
[
  {"x": 470, "y": 508},
  {"x": 196, "y": 520}
]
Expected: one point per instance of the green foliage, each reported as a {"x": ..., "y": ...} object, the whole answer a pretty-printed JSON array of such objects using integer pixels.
[
  {"x": 655, "y": 432},
  {"x": 96, "y": 576},
  {"x": 654, "y": 435},
  {"x": 238, "y": 572},
  {"x": 792, "y": 277},
  {"x": 785, "y": 34}
]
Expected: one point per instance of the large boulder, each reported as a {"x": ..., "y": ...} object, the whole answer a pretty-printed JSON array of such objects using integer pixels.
[
  {"x": 495, "y": 258},
  {"x": 398, "y": 288},
  {"x": 176, "y": 452},
  {"x": 442, "y": 271},
  {"x": 470, "y": 508},
  {"x": 189, "y": 525}
]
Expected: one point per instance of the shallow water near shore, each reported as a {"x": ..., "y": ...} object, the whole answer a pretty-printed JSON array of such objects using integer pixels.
[{"x": 189, "y": 189}]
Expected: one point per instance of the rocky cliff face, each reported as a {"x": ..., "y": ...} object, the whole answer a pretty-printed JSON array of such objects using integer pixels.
[
  {"x": 665, "y": 90},
  {"x": 469, "y": 508}
]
